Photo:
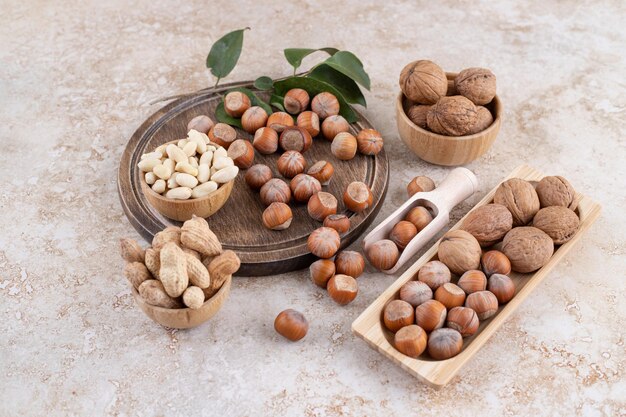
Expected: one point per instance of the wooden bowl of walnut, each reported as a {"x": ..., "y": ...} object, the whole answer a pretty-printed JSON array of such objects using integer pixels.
[{"x": 446, "y": 150}]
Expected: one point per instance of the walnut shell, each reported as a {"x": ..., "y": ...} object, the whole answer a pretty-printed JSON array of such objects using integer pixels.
[
  {"x": 528, "y": 248},
  {"x": 488, "y": 223},
  {"x": 560, "y": 223},
  {"x": 452, "y": 116},
  {"x": 417, "y": 113},
  {"x": 556, "y": 191},
  {"x": 484, "y": 119},
  {"x": 477, "y": 84},
  {"x": 423, "y": 82},
  {"x": 459, "y": 251},
  {"x": 520, "y": 197}
]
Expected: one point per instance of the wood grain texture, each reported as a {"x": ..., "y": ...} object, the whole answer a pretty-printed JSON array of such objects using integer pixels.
[
  {"x": 368, "y": 325},
  {"x": 238, "y": 224}
]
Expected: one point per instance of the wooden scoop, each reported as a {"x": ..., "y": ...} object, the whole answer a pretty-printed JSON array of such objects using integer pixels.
[{"x": 456, "y": 187}]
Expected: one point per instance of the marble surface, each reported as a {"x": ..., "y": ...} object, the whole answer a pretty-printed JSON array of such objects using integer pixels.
[{"x": 76, "y": 80}]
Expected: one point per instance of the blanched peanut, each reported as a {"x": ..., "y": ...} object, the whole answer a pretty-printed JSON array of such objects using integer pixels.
[
  {"x": 186, "y": 168},
  {"x": 170, "y": 164},
  {"x": 150, "y": 178},
  {"x": 193, "y": 161},
  {"x": 225, "y": 175},
  {"x": 222, "y": 162},
  {"x": 159, "y": 186},
  {"x": 161, "y": 149},
  {"x": 147, "y": 165},
  {"x": 200, "y": 139},
  {"x": 220, "y": 153},
  {"x": 206, "y": 158},
  {"x": 190, "y": 148},
  {"x": 204, "y": 173},
  {"x": 186, "y": 180},
  {"x": 162, "y": 172},
  {"x": 180, "y": 193},
  {"x": 175, "y": 153},
  {"x": 203, "y": 190},
  {"x": 152, "y": 155},
  {"x": 171, "y": 183},
  {"x": 181, "y": 143}
]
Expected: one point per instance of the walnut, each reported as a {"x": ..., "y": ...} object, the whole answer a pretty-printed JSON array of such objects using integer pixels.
[
  {"x": 488, "y": 223},
  {"x": 423, "y": 82},
  {"x": 417, "y": 113},
  {"x": 459, "y": 251},
  {"x": 484, "y": 119},
  {"x": 520, "y": 197},
  {"x": 557, "y": 191},
  {"x": 452, "y": 116},
  {"x": 477, "y": 84},
  {"x": 560, "y": 223},
  {"x": 528, "y": 248}
]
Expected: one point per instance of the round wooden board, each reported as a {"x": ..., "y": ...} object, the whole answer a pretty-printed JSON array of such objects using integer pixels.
[{"x": 238, "y": 224}]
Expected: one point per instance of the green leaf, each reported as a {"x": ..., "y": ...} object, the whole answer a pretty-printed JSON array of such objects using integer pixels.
[
  {"x": 348, "y": 64},
  {"x": 225, "y": 53},
  {"x": 296, "y": 55},
  {"x": 254, "y": 99},
  {"x": 223, "y": 117},
  {"x": 277, "y": 101},
  {"x": 263, "y": 83},
  {"x": 313, "y": 87},
  {"x": 348, "y": 88}
]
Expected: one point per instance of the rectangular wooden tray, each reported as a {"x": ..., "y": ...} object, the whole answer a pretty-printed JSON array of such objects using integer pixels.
[{"x": 437, "y": 374}]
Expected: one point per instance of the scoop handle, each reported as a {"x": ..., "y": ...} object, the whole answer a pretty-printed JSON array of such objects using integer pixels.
[{"x": 456, "y": 187}]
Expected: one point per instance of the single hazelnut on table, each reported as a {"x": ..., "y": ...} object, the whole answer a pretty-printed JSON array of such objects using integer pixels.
[
  {"x": 279, "y": 121},
  {"x": 277, "y": 216},
  {"x": 444, "y": 343},
  {"x": 430, "y": 315},
  {"x": 411, "y": 340},
  {"x": 349, "y": 262},
  {"x": 291, "y": 324},
  {"x": 502, "y": 287},
  {"x": 450, "y": 295},
  {"x": 290, "y": 164},
  {"x": 321, "y": 271},
  {"x": 357, "y": 197},
  {"x": 420, "y": 184},
  {"x": 325, "y": 104},
  {"x": 322, "y": 171},
  {"x": 452, "y": 116},
  {"x": 333, "y": 125},
  {"x": 339, "y": 222},
  {"x": 265, "y": 140},
  {"x": 423, "y": 82},
  {"x": 303, "y": 186},
  {"x": 415, "y": 293},
  {"x": 242, "y": 153},
  {"x": 460, "y": 251},
  {"x": 383, "y": 254},
  {"x": 420, "y": 217},
  {"x": 369, "y": 142},
  {"x": 477, "y": 84},
  {"x": 257, "y": 175},
  {"x": 321, "y": 205},
  {"x": 556, "y": 191},
  {"x": 253, "y": 119},
  {"x": 434, "y": 274},
  {"x": 201, "y": 124},
  {"x": 495, "y": 262},
  {"x": 324, "y": 242},
  {"x": 402, "y": 233},
  {"x": 464, "y": 320},
  {"x": 309, "y": 121},
  {"x": 397, "y": 314},
  {"x": 275, "y": 191},
  {"x": 484, "y": 303},
  {"x": 295, "y": 138},
  {"x": 236, "y": 103},
  {"x": 344, "y": 146},
  {"x": 342, "y": 289},
  {"x": 417, "y": 114},
  {"x": 296, "y": 100},
  {"x": 473, "y": 281},
  {"x": 222, "y": 134}
]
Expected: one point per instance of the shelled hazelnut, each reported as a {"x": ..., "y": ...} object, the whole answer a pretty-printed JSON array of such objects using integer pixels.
[
  {"x": 333, "y": 125},
  {"x": 290, "y": 164},
  {"x": 222, "y": 134},
  {"x": 257, "y": 175},
  {"x": 277, "y": 216},
  {"x": 322, "y": 171},
  {"x": 242, "y": 153},
  {"x": 411, "y": 340},
  {"x": 350, "y": 263},
  {"x": 495, "y": 262},
  {"x": 383, "y": 254},
  {"x": 502, "y": 287},
  {"x": 397, "y": 314},
  {"x": 343, "y": 289},
  {"x": 420, "y": 217},
  {"x": 321, "y": 205},
  {"x": 265, "y": 140},
  {"x": 296, "y": 100},
  {"x": 402, "y": 233},
  {"x": 450, "y": 295},
  {"x": 325, "y": 104},
  {"x": 279, "y": 121},
  {"x": 415, "y": 293},
  {"x": 253, "y": 119},
  {"x": 309, "y": 121},
  {"x": 434, "y": 274},
  {"x": 200, "y": 124},
  {"x": 344, "y": 146},
  {"x": 339, "y": 222},
  {"x": 369, "y": 142},
  {"x": 236, "y": 103},
  {"x": 463, "y": 319},
  {"x": 291, "y": 324},
  {"x": 473, "y": 281},
  {"x": 275, "y": 191},
  {"x": 321, "y": 271},
  {"x": 324, "y": 242},
  {"x": 484, "y": 303},
  {"x": 420, "y": 184},
  {"x": 303, "y": 186},
  {"x": 295, "y": 139},
  {"x": 357, "y": 197},
  {"x": 444, "y": 343},
  {"x": 430, "y": 315}
]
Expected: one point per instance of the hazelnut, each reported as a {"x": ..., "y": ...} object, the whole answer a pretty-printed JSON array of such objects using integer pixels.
[
  {"x": 473, "y": 281},
  {"x": 520, "y": 198},
  {"x": 450, "y": 295},
  {"x": 502, "y": 287},
  {"x": 236, "y": 103},
  {"x": 417, "y": 114},
  {"x": 291, "y": 324},
  {"x": 339, "y": 222},
  {"x": 411, "y": 340},
  {"x": 423, "y": 82},
  {"x": 369, "y": 142},
  {"x": 430, "y": 315},
  {"x": 434, "y": 274},
  {"x": 558, "y": 222},
  {"x": 322, "y": 171},
  {"x": 344, "y": 146},
  {"x": 265, "y": 140},
  {"x": 484, "y": 119},
  {"x": 415, "y": 293},
  {"x": 290, "y": 164},
  {"x": 257, "y": 175},
  {"x": 464, "y": 320},
  {"x": 556, "y": 191},
  {"x": 383, "y": 254},
  {"x": 324, "y": 242},
  {"x": 528, "y": 248},
  {"x": 277, "y": 216},
  {"x": 275, "y": 191},
  {"x": 242, "y": 153},
  {"x": 420, "y": 217},
  {"x": 420, "y": 184},
  {"x": 444, "y": 343},
  {"x": 303, "y": 186},
  {"x": 201, "y": 124},
  {"x": 488, "y": 223},
  {"x": 325, "y": 104},
  {"x": 342, "y": 289},
  {"x": 398, "y": 314},
  {"x": 460, "y": 251},
  {"x": 321, "y": 271},
  {"x": 333, "y": 125},
  {"x": 309, "y": 121},
  {"x": 402, "y": 233},
  {"x": 495, "y": 262},
  {"x": 296, "y": 100},
  {"x": 452, "y": 116},
  {"x": 484, "y": 303},
  {"x": 357, "y": 197},
  {"x": 349, "y": 262},
  {"x": 253, "y": 119},
  {"x": 279, "y": 121},
  {"x": 321, "y": 205},
  {"x": 477, "y": 84},
  {"x": 222, "y": 134},
  {"x": 295, "y": 139}
]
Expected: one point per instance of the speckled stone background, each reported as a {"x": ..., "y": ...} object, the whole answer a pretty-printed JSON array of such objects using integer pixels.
[{"x": 76, "y": 79}]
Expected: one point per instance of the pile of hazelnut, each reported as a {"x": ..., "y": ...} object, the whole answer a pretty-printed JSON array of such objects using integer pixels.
[{"x": 451, "y": 110}]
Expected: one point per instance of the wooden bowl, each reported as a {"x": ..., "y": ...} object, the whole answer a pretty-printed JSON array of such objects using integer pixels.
[
  {"x": 185, "y": 318},
  {"x": 446, "y": 150}
]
